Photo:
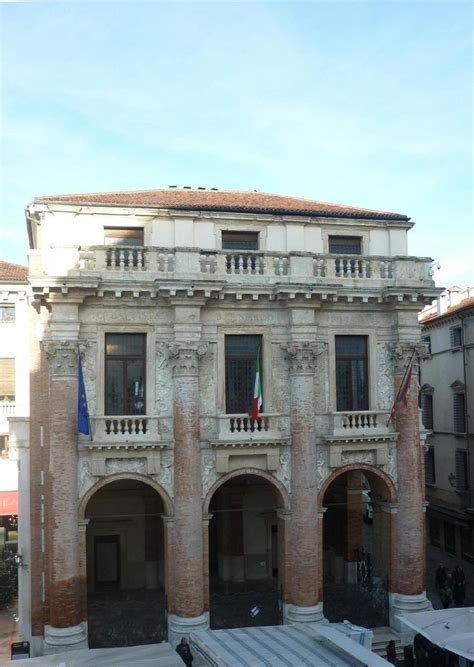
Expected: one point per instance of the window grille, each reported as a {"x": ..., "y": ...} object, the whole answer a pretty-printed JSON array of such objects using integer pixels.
[
  {"x": 240, "y": 360},
  {"x": 462, "y": 481},
  {"x": 232, "y": 240},
  {"x": 430, "y": 472},
  {"x": 125, "y": 374},
  {"x": 427, "y": 410},
  {"x": 351, "y": 373},
  {"x": 427, "y": 341},
  {"x": 455, "y": 334},
  {"x": 459, "y": 411},
  {"x": 345, "y": 245}
]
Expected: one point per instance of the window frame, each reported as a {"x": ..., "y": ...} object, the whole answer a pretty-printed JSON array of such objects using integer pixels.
[
  {"x": 366, "y": 367},
  {"x": 426, "y": 392},
  {"x": 340, "y": 237},
  {"x": 458, "y": 454},
  {"x": 251, "y": 379},
  {"x": 5, "y": 308},
  {"x": 242, "y": 233},
  {"x": 430, "y": 459},
  {"x": 455, "y": 336}
]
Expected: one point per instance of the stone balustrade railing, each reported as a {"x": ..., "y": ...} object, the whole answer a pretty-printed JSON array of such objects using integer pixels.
[
  {"x": 7, "y": 408},
  {"x": 243, "y": 427},
  {"x": 125, "y": 429},
  {"x": 233, "y": 266},
  {"x": 361, "y": 422}
]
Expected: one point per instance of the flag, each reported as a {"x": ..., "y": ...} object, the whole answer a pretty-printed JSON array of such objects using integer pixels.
[
  {"x": 83, "y": 422},
  {"x": 403, "y": 389},
  {"x": 257, "y": 401}
]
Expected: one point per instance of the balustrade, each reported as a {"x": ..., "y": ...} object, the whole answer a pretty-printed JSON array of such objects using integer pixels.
[
  {"x": 365, "y": 422},
  {"x": 125, "y": 258},
  {"x": 7, "y": 408},
  {"x": 124, "y": 428}
]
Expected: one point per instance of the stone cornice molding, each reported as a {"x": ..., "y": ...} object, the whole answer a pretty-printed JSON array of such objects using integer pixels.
[
  {"x": 185, "y": 357},
  {"x": 302, "y": 356},
  {"x": 62, "y": 357}
]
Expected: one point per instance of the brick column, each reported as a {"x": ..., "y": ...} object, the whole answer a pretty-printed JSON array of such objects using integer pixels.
[
  {"x": 67, "y": 628},
  {"x": 304, "y": 544},
  {"x": 353, "y": 524},
  {"x": 408, "y": 561},
  {"x": 186, "y": 603}
]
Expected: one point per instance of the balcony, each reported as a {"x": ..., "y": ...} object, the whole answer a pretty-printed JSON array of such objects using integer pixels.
[
  {"x": 125, "y": 432},
  {"x": 7, "y": 409},
  {"x": 359, "y": 425},
  {"x": 240, "y": 429}
]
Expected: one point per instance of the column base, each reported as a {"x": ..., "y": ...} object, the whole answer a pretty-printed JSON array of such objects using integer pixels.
[
  {"x": 292, "y": 613},
  {"x": 58, "y": 640},
  {"x": 179, "y": 627},
  {"x": 406, "y": 604}
]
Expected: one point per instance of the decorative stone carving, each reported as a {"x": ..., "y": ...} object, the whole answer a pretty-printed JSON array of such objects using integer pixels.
[
  {"x": 284, "y": 470},
  {"x": 185, "y": 357},
  {"x": 391, "y": 466},
  {"x": 385, "y": 395},
  {"x": 302, "y": 356},
  {"x": 208, "y": 473},
  {"x": 322, "y": 467},
  {"x": 62, "y": 357},
  {"x": 367, "y": 457},
  {"x": 165, "y": 477},
  {"x": 162, "y": 354},
  {"x": 87, "y": 351},
  {"x": 85, "y": 477},
  {"x": 402, "y": 353},
  {"x": 120, "y": 465}
]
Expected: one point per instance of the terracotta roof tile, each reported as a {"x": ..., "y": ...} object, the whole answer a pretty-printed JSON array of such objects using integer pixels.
[
  {"x": 226, "y": 201},
  {"x": 10, "y": 273},
  {"x": 462, "y": 305}
]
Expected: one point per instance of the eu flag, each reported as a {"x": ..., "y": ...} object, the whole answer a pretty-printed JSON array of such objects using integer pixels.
[{"x": 83, "y": 423}]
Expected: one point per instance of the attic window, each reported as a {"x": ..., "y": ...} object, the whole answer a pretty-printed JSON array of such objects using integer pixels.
[
  {"x": 124, "y": 236},
  {"x": 239, "y": 240},
  {"x": 345, "y": 245}
]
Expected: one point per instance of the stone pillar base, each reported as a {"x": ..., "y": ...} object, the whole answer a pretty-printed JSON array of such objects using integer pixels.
[
  {"x": 179, "y": 627},
  {"x": 58, "y": 640},
  {"x": 406, "y": 604},
  {"x": 294, "y": 614}
]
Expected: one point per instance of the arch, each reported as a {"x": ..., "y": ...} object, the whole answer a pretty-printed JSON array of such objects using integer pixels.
[
  {"x": 104, "y": 481},
  {"x": 362, "y": 467},
  {"x": 281, "y": 491}
]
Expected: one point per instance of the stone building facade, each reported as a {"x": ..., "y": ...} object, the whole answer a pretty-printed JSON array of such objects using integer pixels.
[
  {"x": 168, "y": 297},
  {"x": 447, "y": 402}
]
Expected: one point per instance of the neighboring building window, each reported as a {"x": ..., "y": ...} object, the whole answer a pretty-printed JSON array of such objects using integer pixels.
[
  {"x": 427, "y": 341},
  {"x": 7, "y": 314},
  {"x": 125, "y": 236},
  {"x": 125, "y": 374},
  {"x": 462, "y": 480},
  {"x": 3, "y": 445},
  {"x": 459, "y": 412},
  {"x": 240, "y": 360},
  {"x": 449, "y": 538},
  {"x": 435, "y": 531},
  {"x": 352, "y": 386},
  {"x": 239, "y": 240},
  {"x": 7, "y": 380},
  {"x": 467, "y": 544},
  {"x": 430, "y": 473},
  {"x": 427, "y": 410},
  {"x": 345, "y": 245},
  {"x": 455, "y": 336}
]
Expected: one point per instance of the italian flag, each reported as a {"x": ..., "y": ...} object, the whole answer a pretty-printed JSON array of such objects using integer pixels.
[{"x": 257, "y": 401}]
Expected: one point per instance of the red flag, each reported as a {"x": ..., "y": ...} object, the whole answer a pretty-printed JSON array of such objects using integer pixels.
[{"x": 403, "y": 390}]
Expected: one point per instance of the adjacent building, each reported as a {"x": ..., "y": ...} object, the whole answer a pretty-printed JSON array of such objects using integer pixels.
[
  {"x": 176, "y": 493},
  {"x": 447, "y": 401}
]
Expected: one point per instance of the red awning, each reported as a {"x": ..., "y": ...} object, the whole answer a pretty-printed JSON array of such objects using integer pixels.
[{"x": 8, "y": 502}]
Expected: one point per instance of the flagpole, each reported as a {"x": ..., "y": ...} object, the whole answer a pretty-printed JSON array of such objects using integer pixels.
[{"x": 400, "y": 388}]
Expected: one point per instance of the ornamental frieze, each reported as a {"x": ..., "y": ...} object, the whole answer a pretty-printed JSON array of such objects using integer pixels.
[
  {"x": 302, "y": 356},
  {"x": 62, "y": 357},
  {"x": 185, "y": 357}
]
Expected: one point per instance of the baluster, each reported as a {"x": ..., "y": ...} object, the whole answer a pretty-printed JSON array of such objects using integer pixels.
[
  {"x": 107, "y": 426},
  {"x": 286, "y": 265},
  {"x": 144, "y": 425},
  {"x": 140, "y": 258},
  {"x": 116, "y": 426},
  {"x": 278, "y": 266},
  {"x": 121, "y": 260},
  {"x": 363, "y": 268},
  {"x": 261, "y": 266},
  {"x": 240, "y": 260},
  {"x": 166, "y": 265},
  {"x": 232, "y": 424}
]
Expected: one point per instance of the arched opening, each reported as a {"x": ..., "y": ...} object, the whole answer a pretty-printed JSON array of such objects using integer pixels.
[
  {"x": 357, "y": 535},
  {"x": 125, "y": 565},
  {"x": 245, "y": 553}
]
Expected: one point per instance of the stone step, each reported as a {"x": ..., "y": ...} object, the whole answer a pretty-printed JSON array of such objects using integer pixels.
[{"x": 381, "y": 638}]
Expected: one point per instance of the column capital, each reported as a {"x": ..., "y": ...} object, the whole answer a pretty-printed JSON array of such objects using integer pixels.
[
  {"x": 62, "y": 357},
  {"x": 185, "y": 356},
  {"x": 403, "y": 351},
  {"x": 302, "y": 356}
]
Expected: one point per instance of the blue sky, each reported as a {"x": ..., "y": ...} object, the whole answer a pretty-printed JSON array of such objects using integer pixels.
[{"x": 365, "y": 103}]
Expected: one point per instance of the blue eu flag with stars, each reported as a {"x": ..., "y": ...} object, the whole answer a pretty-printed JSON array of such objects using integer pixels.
[{"x": 83, "y": 422}]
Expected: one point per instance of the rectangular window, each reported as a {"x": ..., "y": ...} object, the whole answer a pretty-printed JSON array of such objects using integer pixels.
[
  {"x": 126, "y": 236},
  {"x": 345, "y": 245},
  {"x": 427, "y": 341},
  {"x": 427, "y": 410},
  {"x": 352, "y": 386},
  {"x": 455, "y": 334},
  {"x": 7, "y": 380},
  {"x": 430, "y": 472},
  {"x": 125, "y": 374},
  {"x": 7, "y": 314},
  {"x": 462, "y": 479},
  {"x": 449, "y": 538},
  {"x": 459, "y": 411},
  {"x": 240, "y": 360},
  {"x": 239, "y": 240},
  {"x": 435, "y": 531}
]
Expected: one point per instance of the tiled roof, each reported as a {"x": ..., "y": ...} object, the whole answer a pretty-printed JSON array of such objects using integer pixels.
[
  {"x": 452, "y": 310},
  {"x": 226, "y": 201},
  {"x": 10, "y": 273}
]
